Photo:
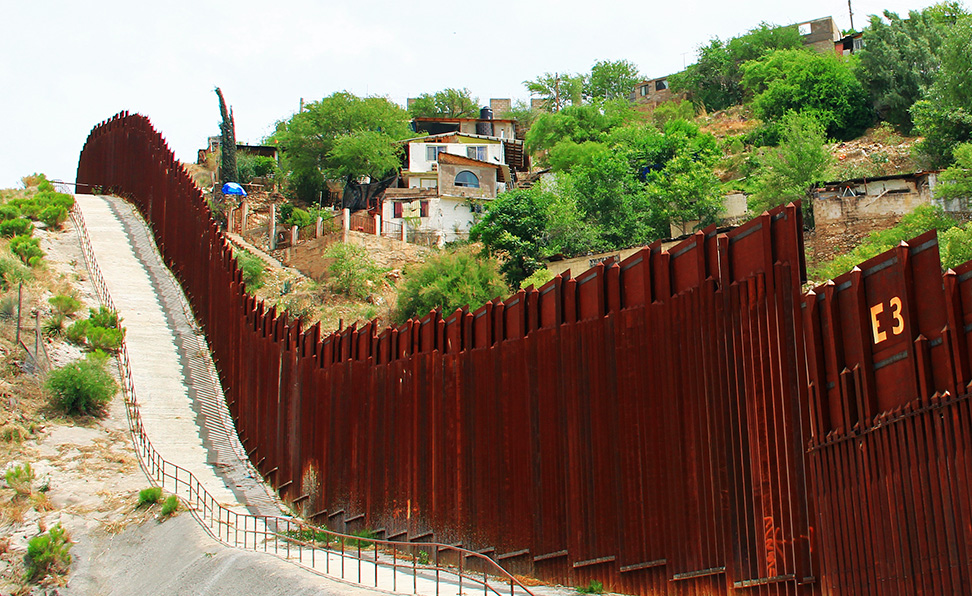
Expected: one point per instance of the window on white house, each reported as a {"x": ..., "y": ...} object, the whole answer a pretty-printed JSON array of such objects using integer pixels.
[
  {"x": 661, "y": 85},
  {"x": 467, "y": 179},
  {"x": 432, "y": 152},
  {"x": 476, "y": 152},
  {"x": 645, "y": 90}
]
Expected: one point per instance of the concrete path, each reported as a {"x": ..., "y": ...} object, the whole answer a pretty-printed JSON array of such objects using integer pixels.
[
  {"x": 184, "y": 413},
  {"x": 179, "y": 397}
]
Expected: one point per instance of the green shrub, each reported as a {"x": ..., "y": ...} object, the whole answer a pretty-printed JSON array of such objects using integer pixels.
[
  {"x": 595, "y": 587},
  {"x": 12, "y": 272},
  {"x": 8, "y": 211},
  {"x": 54, "y": 326},
  {"x": 252, "y": 268},
  {"x": 13, "y": 433},
  {"x": 83, "y": 387},
  {"x": 103, "y": 317},
  {"x": 170, "y": 506},
  {"x": 450, "y": 280},
  {"x": 16, "y": 227},
  {"x": 922, "y": 219},
  {"x": 53, "y": 215},
  {"x": 537, "y": 278},
  {"x": 28, "y": 249},
  {"x": 47, "y": 554},
  {"x": 77, "y": 332},
  {"x": 149, "y": 496},
  {"x": 20, "y": 478},
  {"x": 105, "y": 338},
  {"x": 64, "y": 305},
  {"x": 352, "y": 271}
]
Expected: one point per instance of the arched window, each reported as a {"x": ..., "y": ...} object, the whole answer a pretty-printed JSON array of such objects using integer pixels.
[{"x": 467, "y": 179}]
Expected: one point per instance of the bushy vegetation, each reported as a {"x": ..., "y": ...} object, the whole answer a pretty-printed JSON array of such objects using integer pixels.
[
  {"x": 82, "y": 388},
  {"x": 252, "y": 268},
  {"x": 20, "y": 477},
  {"x": 450, "y": 279},
  {"x": 102, "y": 330},
  {"x": 16, "y": 227},
  {"x": 48, "y": 554},
  {"x": 149, "y": 496},
  {"x": 953, "y": 245},
  {"x": 169, "y": 506},
  {"x": 352, "y": 272},
  {"x": 28, "y": 249},
  {"x": 64, "y": 305}
]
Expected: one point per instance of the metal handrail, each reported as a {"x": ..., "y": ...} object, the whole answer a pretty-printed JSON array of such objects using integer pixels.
[{"x": 278, "y": 535}]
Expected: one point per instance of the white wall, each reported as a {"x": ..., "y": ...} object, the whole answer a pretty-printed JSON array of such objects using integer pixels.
[
  {"x": 417, "y": 153},
  {"x": 449, "y": 215}
]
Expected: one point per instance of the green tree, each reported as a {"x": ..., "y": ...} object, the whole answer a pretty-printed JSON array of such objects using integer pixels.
[
  {"x": 448, "y": 103},
  {"x": 611, "y": 79},
  {"x": 362, "y": 153},
  {"x": 956, "y": 181},
  {"x": 227, "y": 143},
  {"x": 308, "y": 138},
  {"x": 790, "y": 170},
  {"x": 944, "y": 117},
  {"x": 577, "y": 123},
  {"x": 898, "y": 62},
  {"x": 450, "y": 279},
  {"x": 714, "y": 82},
  {"x": 805, "y": 81},
  {"x": 557, "y": 90},
  {"x": 513, "y": 228}
]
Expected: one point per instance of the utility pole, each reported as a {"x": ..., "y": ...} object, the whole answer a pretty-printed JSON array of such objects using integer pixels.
[{"x": 850, "y": 9}]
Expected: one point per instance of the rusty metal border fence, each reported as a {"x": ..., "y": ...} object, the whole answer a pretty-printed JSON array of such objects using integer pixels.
[
  {"x": 682, "y": 422},
  {"x": 294, "y": 539},
  {"x": 553, "y": 431}
]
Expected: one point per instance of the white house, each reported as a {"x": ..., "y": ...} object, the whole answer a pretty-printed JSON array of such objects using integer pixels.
[{"x": 448, "y": 178}]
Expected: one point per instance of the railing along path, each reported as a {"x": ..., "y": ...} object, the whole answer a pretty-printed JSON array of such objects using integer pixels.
[{"x": 419, "y": 568}]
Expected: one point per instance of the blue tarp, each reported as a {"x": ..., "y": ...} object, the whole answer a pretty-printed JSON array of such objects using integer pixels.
[{"x": 232, "y": 188}]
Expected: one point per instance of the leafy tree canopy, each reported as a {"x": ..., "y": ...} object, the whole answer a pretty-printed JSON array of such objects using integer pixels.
[
  {"x": 715, "y": 80},
  {"x": 577, "y": 123},
  {"x": 956, "y": 181},
  {"x": 513, "y": 227},
  {"x": 944, "y": 117},
  {"x": 899, "y": 60},
  {"x": 450, "y": 279},
  {"x": 557, "y": 90},
  {"x": 448, "y": 103},
  {"x": 314, "y": 142},
  {"x": 611, "y": 79},
  {"x": 791, "y": 169},
  {"x": 805, "y": 81}
]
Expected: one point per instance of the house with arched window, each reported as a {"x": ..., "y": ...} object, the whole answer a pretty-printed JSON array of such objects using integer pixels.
[{"x": 446, "y": 180}]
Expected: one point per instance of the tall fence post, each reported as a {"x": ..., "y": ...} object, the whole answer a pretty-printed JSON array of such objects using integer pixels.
[
  {"x": 320, "y": 227},
  {"x": 272, "y": 227},
  {"x": 294, "y": 235},
  {"x": 245, "y": 212},
  {"x": 230, "y": 220},
  {"x": 346, "y": 222},
  {"x": 377, "y": 224},
  {"x": 404, "y": 231},
  {"x": 20, "y": 303}
]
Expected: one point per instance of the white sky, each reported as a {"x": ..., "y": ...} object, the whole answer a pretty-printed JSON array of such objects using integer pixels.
[{"x": 67, "y": 65}]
